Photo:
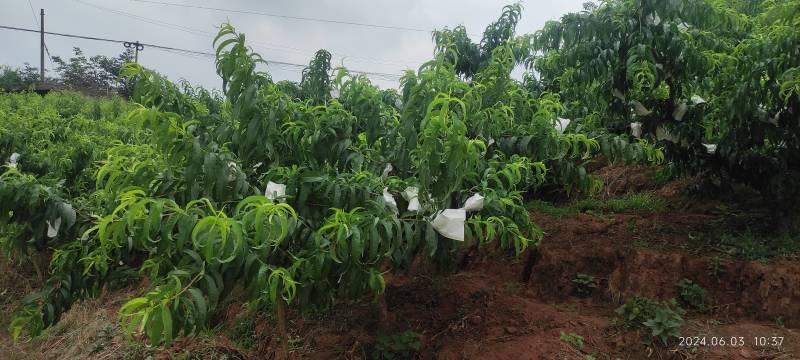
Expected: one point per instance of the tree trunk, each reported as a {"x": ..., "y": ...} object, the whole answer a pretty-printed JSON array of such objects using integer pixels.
[
  {"x": 380, "y": 301},
  {"x": 383, "y": 313},
  {"x": 284, "y": 354}
]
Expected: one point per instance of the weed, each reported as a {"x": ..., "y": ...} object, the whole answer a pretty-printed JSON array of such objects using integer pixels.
[
  {"x": 663, "y": 320},
  {"x": 666, "y": 174},
  {"x": 643, "y": 243},
  {"x": 779, "y": 321},
  {"x": 584, "y": 284},
  {"x": 209, "y": 352},
  {"x": 573, "y": 339},
  {"x": 715, "y": 267},
  {"x": 398, "y": 346},
  {"x": 748, "y": 246},
  {"x": 514, "y": 287},
  {"x": 133, "y": 350},
  {"x": 565, "y": 307},
  {"x": 244, "y": 332},
  {"x": 665, "y": 324},
  {"x": 295, "y": 342},
  {"x": 692, "y": 295},
  {"x": 102, "y": 339},
  {"x": 631, "y": 227}
]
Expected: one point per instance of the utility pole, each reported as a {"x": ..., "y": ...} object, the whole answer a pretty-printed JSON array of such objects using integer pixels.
[
  {"x": 41, "y": 47},
  {"x": 137, "y": 47}
]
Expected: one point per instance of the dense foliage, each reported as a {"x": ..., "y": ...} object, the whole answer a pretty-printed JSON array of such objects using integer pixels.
[
  {"x": 715, "y": 82},
  {"x": 174, "y": 186}
]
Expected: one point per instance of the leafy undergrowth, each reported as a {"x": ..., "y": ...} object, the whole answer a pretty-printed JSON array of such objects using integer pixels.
[{"x": 602, "y": 288}]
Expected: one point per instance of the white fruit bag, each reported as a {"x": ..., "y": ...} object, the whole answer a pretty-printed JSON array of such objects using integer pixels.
[
  {"x": 664, "y": 134},
  {"x": 275, "y": 191},
  {"x": 450, "y": 223},
  {"x": 711, "y": 148},
  {"x": 386, "y": 171},
  {"x": 389, "y": 199},
  {"x": 474, "y": 203},
  {"x": 639, "y": 109},
  {"x": 12, "y": 160},
  {"x": 562, "y": 124},
  {"x": 52, "y": 229},
  {"x": 680, "y": 111},
  {"x": 411, "y": 194},
  {"x": 636, "y": 129}
]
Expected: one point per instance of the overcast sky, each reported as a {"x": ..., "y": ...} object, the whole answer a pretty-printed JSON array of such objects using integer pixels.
[{"x": 280, "y": 39}]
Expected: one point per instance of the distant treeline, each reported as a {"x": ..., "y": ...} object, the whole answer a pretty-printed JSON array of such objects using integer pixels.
[{"x": 95, "y": 75}]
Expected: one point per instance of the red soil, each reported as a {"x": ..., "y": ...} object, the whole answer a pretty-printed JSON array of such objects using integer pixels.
[{"x": 488, "y": 310}]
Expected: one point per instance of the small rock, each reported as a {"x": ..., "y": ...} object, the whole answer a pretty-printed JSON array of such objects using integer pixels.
[{"x": 511, "y": 330}]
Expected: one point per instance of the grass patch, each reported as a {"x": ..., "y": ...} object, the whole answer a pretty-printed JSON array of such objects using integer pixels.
[
  {"x": 632, "y": 202},
  {"x": 629, "y": 203},
  {"x": 750, "y": 246},
  {"x": 548, "y": 208}
]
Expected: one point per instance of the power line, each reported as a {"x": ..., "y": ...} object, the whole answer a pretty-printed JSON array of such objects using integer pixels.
[
  {"x": 295, "y": 66},
  {"x": 147, "y": 20},
  {"x": 209, "y": 35},
  {"x": 251, "y": 12},
  {"x": 36, "y": 21},
  {"x": 33, "y": 12},
  {"x": 188, "y": 51}
]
